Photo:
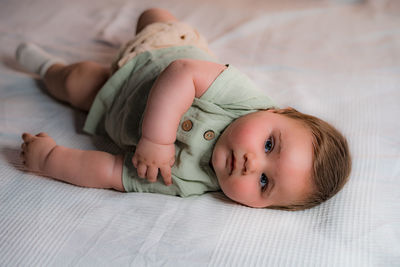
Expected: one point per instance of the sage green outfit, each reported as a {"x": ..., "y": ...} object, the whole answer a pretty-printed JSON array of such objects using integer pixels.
[{"x": 118, "y": 108}]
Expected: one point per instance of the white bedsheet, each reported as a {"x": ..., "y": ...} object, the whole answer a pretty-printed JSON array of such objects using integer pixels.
[{"x": 332, "y": 59}]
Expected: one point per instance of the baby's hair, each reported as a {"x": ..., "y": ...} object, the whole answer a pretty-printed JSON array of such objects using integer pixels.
[{"x": 331, "y": 160}]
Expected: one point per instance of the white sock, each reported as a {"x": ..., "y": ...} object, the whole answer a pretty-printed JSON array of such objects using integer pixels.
[{"x": 35, "y": 59}]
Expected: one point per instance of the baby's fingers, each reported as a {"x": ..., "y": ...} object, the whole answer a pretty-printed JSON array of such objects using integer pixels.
[
  {"x": 152, "y": 174},
  {"x": 166, "y": 174},
  {"x": 172, "y": 161},
  {"x": 135, "y": 161},
  {"x": 141, "y": 170}
]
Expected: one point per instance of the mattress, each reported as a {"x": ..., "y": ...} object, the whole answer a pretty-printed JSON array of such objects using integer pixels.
[{"x": 338, "y": 60}]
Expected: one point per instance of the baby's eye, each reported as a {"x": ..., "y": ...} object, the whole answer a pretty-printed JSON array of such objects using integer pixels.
[
  {"x": 269, "y": 145},
  {"x": 263, "y": 182}
]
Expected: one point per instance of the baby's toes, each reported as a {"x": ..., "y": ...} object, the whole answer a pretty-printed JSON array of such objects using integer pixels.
[
  {"x": 22, "y": 155},
  {"x": 27, "y": 137},
  {"x": 42, "y": 134}
]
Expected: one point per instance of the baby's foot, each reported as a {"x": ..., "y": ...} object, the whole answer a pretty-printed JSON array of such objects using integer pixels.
[
  {"x": 35, "y": 59},
  {"x": 35, "y": 151}
]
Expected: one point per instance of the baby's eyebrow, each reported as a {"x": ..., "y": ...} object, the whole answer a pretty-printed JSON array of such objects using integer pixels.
[{"x": 280, "y": 143}]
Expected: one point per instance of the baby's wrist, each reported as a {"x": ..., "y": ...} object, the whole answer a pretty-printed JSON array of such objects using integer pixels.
[{"x": 156, "y": 141}]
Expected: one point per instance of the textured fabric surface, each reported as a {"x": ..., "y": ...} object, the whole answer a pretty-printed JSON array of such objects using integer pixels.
[
  {"x": 160, "y": 35},
  {"x": 334, "y": 59}
]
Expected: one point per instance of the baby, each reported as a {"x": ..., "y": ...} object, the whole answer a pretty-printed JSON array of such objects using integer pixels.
[{"x": 188, "y": 125}]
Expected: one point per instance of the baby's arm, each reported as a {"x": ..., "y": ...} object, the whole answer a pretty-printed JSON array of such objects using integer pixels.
[
  {"x": 96, "y": 169},
  {"x": 170, "y": 97}
]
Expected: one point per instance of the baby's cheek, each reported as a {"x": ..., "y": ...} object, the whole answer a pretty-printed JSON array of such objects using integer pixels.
[
  {"x": 242, "y": 189},
  {"x": 244, "y": 137}
]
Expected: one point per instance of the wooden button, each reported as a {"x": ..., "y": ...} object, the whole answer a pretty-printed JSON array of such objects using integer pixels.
[
  {"x": 209, "y": 135},
  {"x": 187, "y": 125}
]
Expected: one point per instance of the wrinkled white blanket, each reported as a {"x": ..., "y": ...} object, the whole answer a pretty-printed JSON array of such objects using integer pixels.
[{"x": 333, "y": 59}]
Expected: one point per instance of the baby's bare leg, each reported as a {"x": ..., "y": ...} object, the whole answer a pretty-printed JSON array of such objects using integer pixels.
[
  {"x": 76, "y": 84},
  {"x": 153, "y": 15},
  {"x": 95, "y": 169}
]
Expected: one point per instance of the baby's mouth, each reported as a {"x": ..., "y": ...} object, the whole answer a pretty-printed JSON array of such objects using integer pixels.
[{"x": 232, "y": 163}]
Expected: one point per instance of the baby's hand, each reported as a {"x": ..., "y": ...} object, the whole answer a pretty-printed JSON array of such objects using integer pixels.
[{"x": 150, "y": 156}]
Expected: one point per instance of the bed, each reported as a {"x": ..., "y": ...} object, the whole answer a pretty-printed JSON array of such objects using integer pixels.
[{"x": 339, "y": 60}]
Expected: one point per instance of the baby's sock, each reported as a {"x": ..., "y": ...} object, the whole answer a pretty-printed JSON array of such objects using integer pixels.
[{"x": 35, "y": 59}]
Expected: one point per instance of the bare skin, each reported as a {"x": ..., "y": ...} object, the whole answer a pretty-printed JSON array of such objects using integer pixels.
[{"x": 94, "y": 169}]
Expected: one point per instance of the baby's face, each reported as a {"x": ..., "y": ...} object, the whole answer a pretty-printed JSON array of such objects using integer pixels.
[{"x": 264, "y": 159}]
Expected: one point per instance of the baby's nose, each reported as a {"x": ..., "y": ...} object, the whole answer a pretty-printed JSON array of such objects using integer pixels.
[{"x": 250, "y": 163}]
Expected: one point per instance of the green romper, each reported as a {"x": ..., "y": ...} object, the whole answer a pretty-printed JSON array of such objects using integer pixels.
[{"x": 118, "y": 108}]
